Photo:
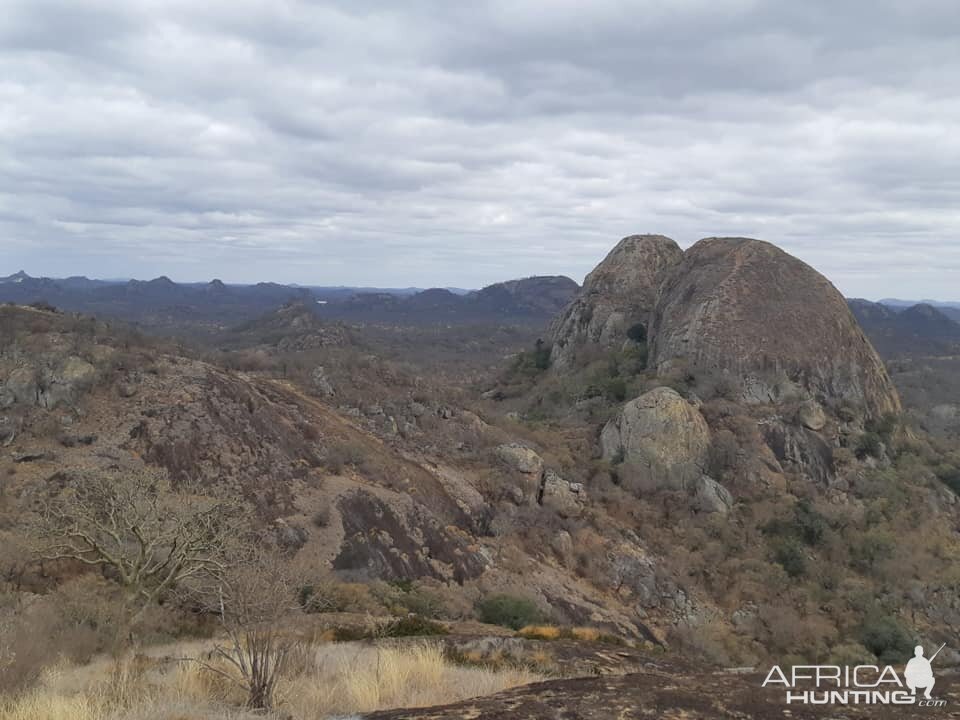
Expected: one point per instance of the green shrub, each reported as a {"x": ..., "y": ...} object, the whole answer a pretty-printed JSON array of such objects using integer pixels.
[
  {"x": 402, "y": 597},
  {"x": 508, "y": 611},
  {"x": 869, "y": 445},
  {"x": 885, "y": 637},
  {"x": 615, "y": 389},
  {"x": 533, "y": 362},
  {"x": 806, "y": 525},
  {"x": 789, "y": 555},
  {"x": 810, "y": 524},
  {"x": 883, "y": 427}
]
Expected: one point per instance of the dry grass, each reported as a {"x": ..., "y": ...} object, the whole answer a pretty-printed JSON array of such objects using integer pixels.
[
  {"x": 325, "y": 681},
  {"x": 355, "y": 679},
  {"x": 585, "y": 634},
  {"x": 540, "y": 632},
  {"x": 552, "y": 632}
]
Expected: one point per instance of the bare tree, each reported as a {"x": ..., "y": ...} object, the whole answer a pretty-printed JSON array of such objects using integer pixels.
[
  {"x": 142, "y": 535},
  {"x": 252, "y": 598}
]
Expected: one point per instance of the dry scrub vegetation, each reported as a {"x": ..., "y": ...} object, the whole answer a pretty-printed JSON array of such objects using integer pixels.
[{"x": 323, "y": 681}]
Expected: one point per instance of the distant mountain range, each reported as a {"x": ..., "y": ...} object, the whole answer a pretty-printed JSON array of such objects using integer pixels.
[
  {"x": 901, "y": 331},
  {"x": 162, "y": 302}
]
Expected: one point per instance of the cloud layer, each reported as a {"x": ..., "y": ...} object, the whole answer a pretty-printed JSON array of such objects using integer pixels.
[{"x": 444, "y": 143}]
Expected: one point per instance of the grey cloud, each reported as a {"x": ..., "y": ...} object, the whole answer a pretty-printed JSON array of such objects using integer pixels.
[{"x": 430, "y": 143}]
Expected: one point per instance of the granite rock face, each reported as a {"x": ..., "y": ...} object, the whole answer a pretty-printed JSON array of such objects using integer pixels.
[
  {"x": 660, "y": 431},
  {"x": 745, "y": 308},
  {"x": 617, "y": 295}
]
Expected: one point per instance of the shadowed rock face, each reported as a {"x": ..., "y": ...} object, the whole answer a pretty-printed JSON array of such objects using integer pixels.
[
  {"x": 746, "y": 307},
  {"x": 618, "y": 294}
]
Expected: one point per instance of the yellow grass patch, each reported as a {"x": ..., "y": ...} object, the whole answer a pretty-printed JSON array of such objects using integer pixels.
[
  {"x": 540, "y": 632},
  {"x": 585, "y": 634},
  {"x": 324, "y": 681}
]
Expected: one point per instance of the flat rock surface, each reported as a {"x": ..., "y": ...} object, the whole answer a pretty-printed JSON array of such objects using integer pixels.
[{"x": 659, "y": 692}]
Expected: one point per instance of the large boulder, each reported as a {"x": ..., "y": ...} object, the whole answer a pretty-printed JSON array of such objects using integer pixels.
[
  {"x": 565, "y": 498},
  {"x": 709, "y": 496},
  {"x": 616, "y": 296},
  {"x": 661, "y": 433},
  {"x": 747, "y": 309},
  {"x": 71, "y": 379},
  {"x": 22, "y": 386},
  {"x": 520, "y": 458}
]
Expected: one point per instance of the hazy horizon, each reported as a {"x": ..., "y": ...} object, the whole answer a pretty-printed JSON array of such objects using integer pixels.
[{"x": 228, "y": 281}]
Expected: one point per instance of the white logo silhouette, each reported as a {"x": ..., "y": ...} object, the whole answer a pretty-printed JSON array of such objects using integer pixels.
[{"x": 919, "y": 674}]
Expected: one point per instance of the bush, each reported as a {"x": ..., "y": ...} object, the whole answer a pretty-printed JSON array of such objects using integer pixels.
[
  {"x": 410, "y": 626},
  {"x": 789, "y": 555},
  {"x": 534, "y": 361},
  {"x": 871, "y": 549},
  {"x": 885, "y": 637},
  {"x": 336, "y": 597},
  {"x": 508, "y": 611},
  {"x": 413, "y": 625},
  {"x": 883, "y": 427},
  {"x": 869, "y": 445},
  {"x": 806, "y": 525},
  {"x": 402, "y": 597}
]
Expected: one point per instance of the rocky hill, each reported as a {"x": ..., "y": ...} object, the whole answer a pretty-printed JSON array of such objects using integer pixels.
[
  {"x": 747, "y": 309},
  {"x": 743, "y": 394},
  {"x": 617, "y": 296}
]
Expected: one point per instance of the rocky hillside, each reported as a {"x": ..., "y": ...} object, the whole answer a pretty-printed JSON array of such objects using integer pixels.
[
  {"x": 734, "y": 499},
  {"x": 745, "y": 308},
  {"x": 746, "y": 402},
  {"x": 405, "y": 489}
]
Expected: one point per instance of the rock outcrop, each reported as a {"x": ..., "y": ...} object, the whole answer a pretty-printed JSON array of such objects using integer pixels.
[
  {"x": 747, "y": 309},
  {"x": 49, "y": 385},
  {"x": 540, "y": 484},
  {"x": 618, "y": 295},
  {"x": 660, "y": 431}
]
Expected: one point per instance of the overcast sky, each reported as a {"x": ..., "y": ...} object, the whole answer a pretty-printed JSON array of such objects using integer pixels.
[{"x": 454, "y": 143}]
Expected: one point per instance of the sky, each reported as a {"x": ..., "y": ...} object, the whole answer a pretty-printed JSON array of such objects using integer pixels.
[{"x": 442, "y": 143}]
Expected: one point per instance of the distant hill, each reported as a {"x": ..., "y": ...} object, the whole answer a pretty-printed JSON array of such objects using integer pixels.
[
  {"x": 920, "y": 329},
  {"x": 159, "y": 302},
  {"x": 529, "y": 300},
  {"x": 163, "y": 303},
  {"x": 899, "y": 304}
]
